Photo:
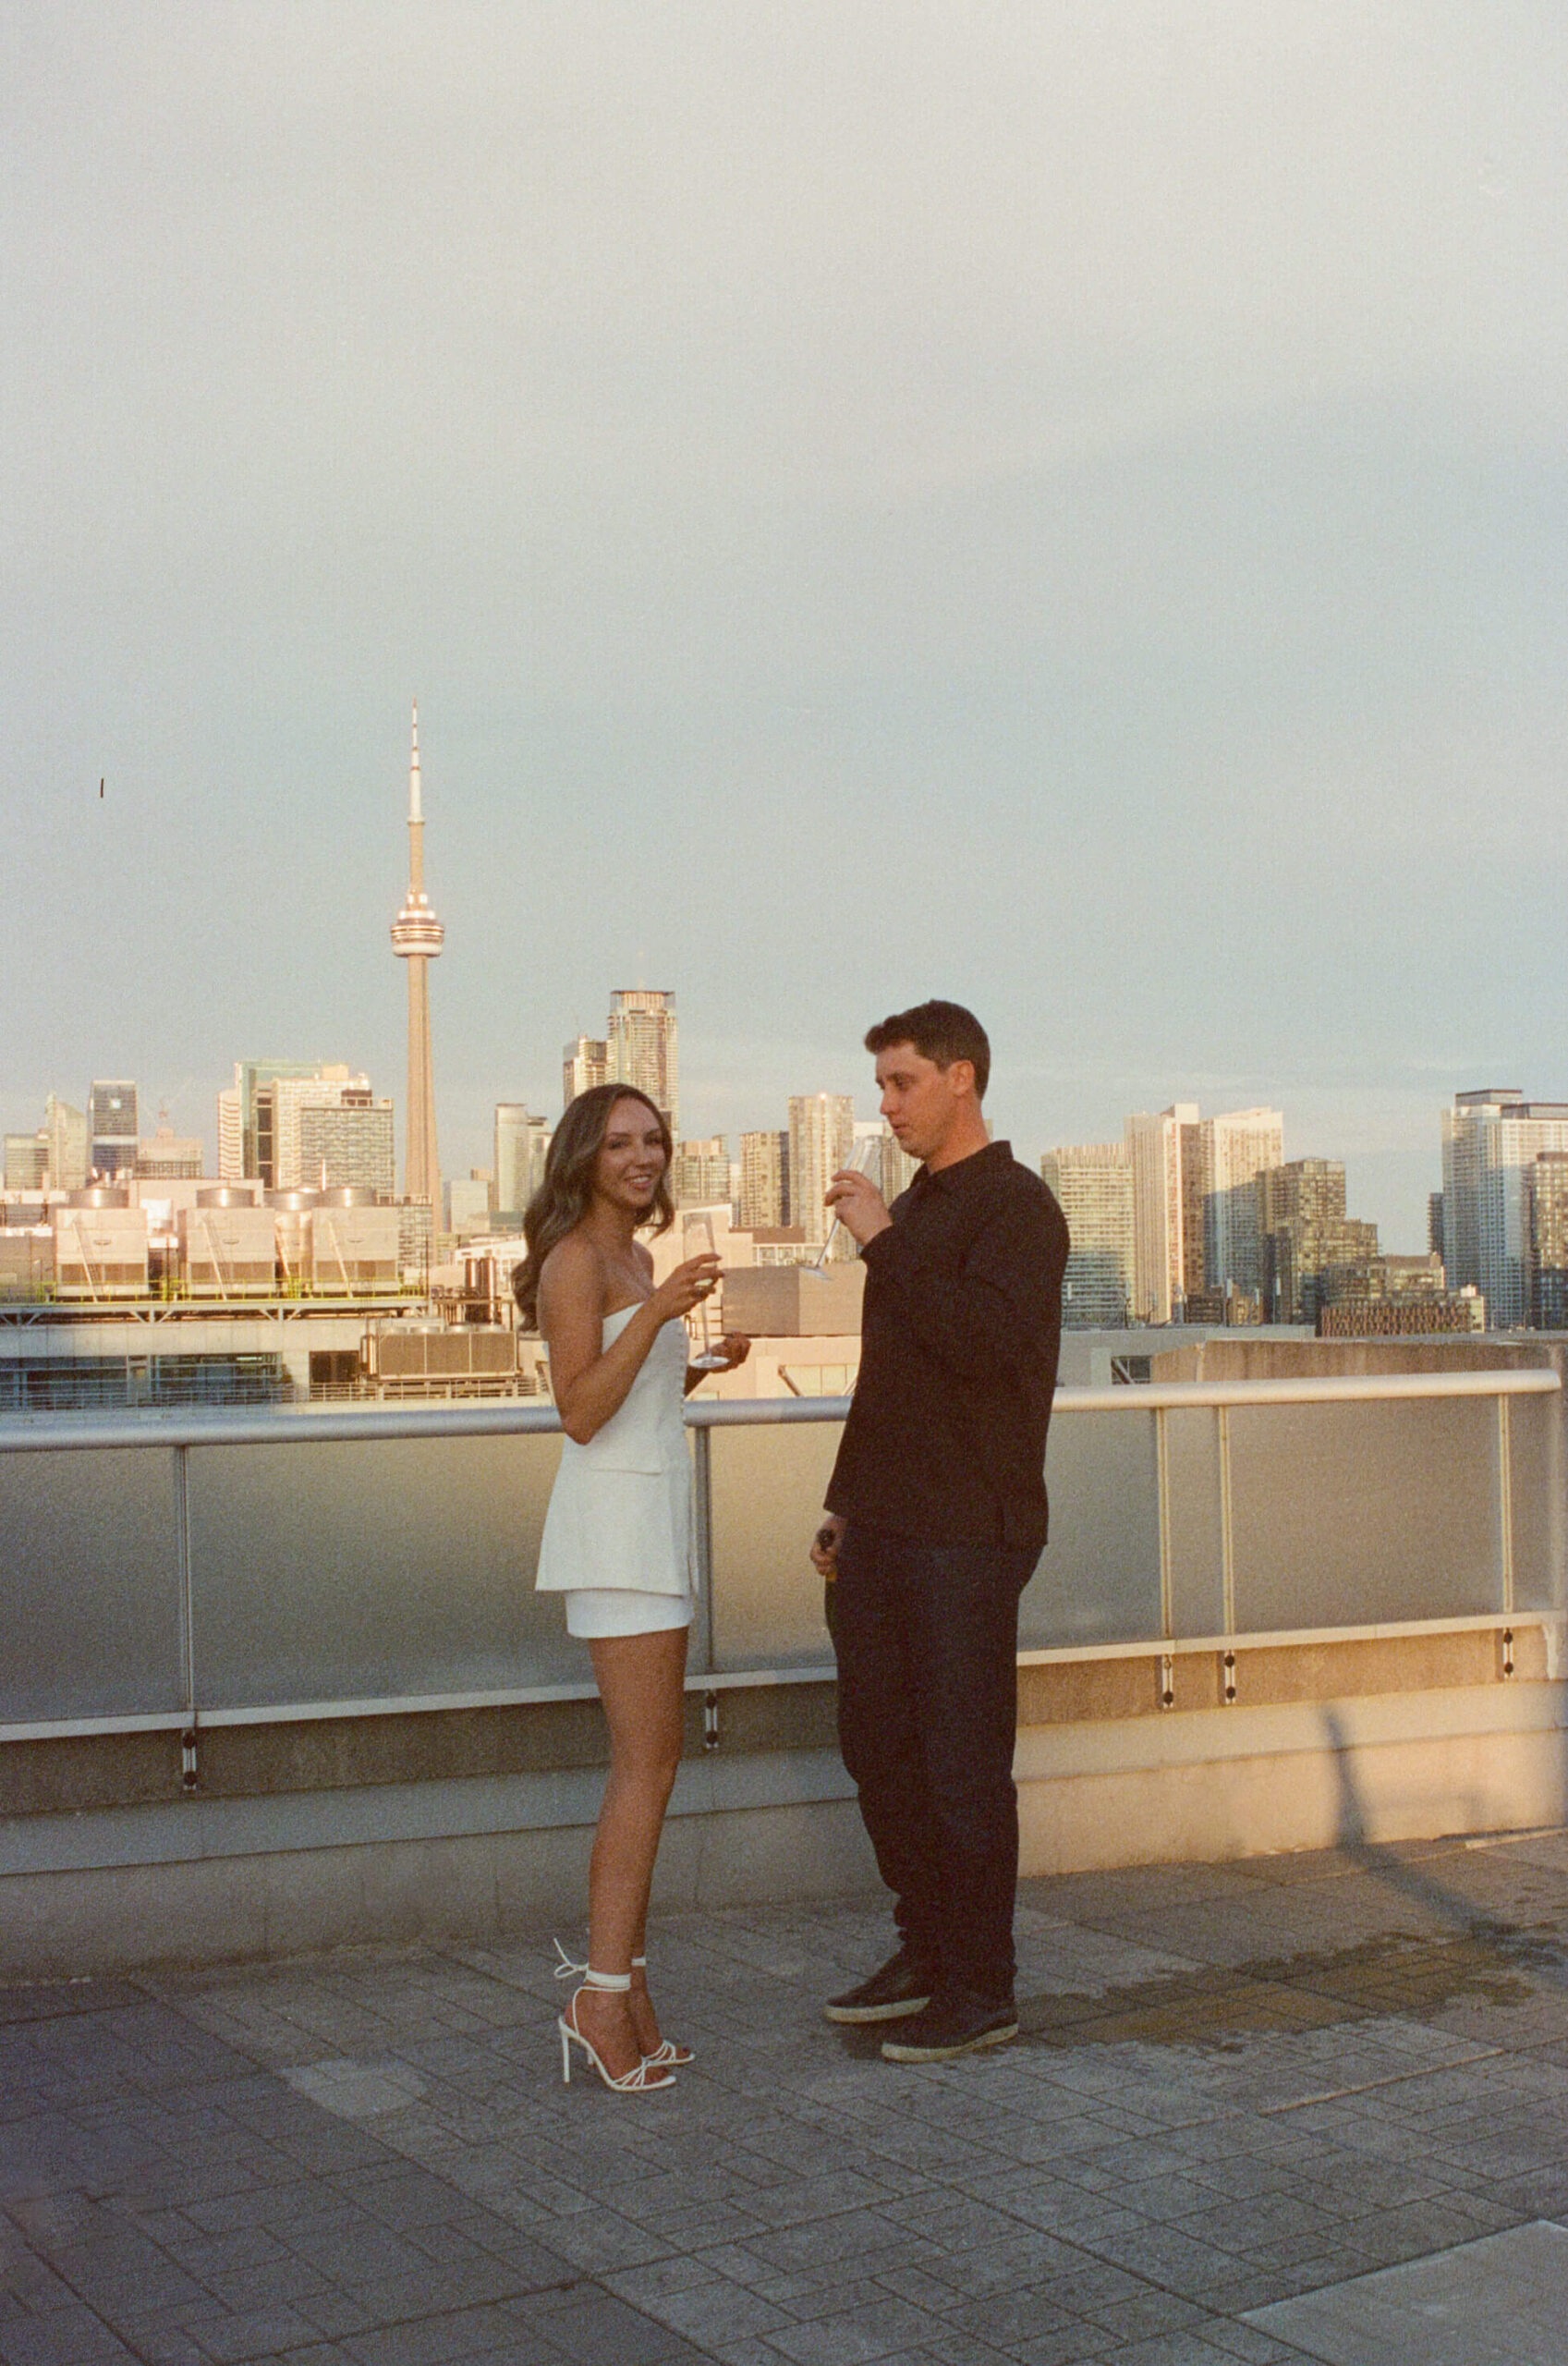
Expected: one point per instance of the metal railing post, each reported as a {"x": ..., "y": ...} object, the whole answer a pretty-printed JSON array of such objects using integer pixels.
[
  {"x": 1227, "y": 1555},
  {"x": 702, "y": 1507},
  {"x": 1162, "y": 1499},
  {"x": 187, "y": 1614},
  {"x": 1167, "y": 1598},
  {"x": 1505, "y": 1500}
]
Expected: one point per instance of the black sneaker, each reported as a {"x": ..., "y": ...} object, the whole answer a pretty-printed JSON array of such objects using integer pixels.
[
  {"x": 902, "y": 1987},
  {"x": 956, "y": 2022}
]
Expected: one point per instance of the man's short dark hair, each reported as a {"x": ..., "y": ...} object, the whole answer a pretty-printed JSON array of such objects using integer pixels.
[{"x": 943, "y": 1031}]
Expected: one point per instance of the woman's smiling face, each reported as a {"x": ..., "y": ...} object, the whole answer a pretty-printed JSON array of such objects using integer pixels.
[{"x": 631, "y": 1157}]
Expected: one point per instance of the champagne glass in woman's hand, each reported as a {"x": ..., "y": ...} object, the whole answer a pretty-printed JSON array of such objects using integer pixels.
[{"x": 697, "y": 1241}]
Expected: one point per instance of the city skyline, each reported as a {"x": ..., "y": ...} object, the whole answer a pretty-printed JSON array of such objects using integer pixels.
[
  {"x": 1178, "y": 1118},
  {"x": 1059, "y": 508}
]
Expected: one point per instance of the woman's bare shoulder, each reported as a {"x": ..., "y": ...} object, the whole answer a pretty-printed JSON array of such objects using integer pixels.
[{"x": 574, "y": 1266}]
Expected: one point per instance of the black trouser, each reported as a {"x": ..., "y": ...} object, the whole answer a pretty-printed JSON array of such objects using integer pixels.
[{"x": 926, "y": 1637}]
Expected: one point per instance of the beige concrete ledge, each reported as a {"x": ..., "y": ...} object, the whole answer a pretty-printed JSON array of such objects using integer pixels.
[
  {"x": 268, "y": 1758},
  {"x": 1246, "y": 1782},
  {"x": 473, "y": 1885},
  {"x": 232, "y": 1880}
]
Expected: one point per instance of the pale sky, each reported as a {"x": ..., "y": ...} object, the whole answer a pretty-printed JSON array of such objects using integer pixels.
[{"x": 1059, "y": 504}]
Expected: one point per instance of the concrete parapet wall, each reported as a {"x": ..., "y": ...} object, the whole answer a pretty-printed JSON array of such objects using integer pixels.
[
  {"x": 1236, "y": 1357},
  {"x": 344, "y": 1831}
]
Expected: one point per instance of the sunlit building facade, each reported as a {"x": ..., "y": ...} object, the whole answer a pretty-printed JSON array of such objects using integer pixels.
[
  {"x": 585, "y": 1062},
  {"x": 349, "y": 1142},
  {"x": 1491, "y": 1140},
  {"x": 1093, "y": 1183},
  {"x": 764, "y": 1180},
  {"x": 1163, "y": 1159},
  {"x": 522, "y": 1145},
  {"x": 1235, "y": 1149},
  {"x": 65, "y": 1131},
  {"x": 643, "y": 1048},
  {"x": 702, "y": 1178}
]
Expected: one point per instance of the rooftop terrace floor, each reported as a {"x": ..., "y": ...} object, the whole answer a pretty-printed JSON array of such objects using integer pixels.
[{"x": 1236, "y": 2085}]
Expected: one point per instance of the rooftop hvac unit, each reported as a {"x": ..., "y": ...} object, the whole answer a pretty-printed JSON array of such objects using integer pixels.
[
  {"x": 229, "y": 1250},
  {"x": 467, "y": 1351},
  {"x": 353, "y": 1246}
]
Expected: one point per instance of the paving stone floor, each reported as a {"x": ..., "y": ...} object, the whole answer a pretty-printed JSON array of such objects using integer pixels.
[{"x": 1234, "y": 2084}]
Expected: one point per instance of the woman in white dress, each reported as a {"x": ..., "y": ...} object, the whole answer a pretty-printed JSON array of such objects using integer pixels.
[{"x": 617, "y": 1536}]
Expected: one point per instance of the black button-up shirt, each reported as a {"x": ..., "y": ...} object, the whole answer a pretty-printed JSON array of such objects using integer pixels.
[{"x": 960, "y": 1334}]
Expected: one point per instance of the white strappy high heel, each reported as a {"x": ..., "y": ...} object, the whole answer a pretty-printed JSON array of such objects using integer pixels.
[
  {"x": 667, "y": 2054},
  {"x": 646, "y": 2077}
]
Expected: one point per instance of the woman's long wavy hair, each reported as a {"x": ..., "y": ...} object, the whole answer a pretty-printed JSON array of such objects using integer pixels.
[{"x": 562, "y": 1198}]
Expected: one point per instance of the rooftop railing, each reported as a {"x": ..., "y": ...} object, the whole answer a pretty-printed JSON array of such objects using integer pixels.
[{"x": 167, "y": 1572}]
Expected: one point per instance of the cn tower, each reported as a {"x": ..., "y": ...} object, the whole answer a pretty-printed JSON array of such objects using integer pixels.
[{"x": 417, "y": 938}]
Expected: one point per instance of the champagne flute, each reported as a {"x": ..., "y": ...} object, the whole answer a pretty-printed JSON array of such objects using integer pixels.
[
  {"x": 864, "y": 1158},
  {"x": 697, "y": 1241}
]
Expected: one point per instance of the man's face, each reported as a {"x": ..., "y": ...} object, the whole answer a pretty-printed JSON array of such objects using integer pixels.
[{"x": 921, "y": 1102}]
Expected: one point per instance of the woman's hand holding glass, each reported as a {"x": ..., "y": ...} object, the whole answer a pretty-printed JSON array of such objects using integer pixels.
[
  {"x": 685, "y": 1288},
  {"x": 697, "y": 1236}
]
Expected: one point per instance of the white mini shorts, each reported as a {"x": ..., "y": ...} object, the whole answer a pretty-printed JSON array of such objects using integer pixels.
[{"x": 594, "y": 1612}]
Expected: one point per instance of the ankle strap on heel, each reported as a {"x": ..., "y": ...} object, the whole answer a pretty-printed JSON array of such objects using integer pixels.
[{"x": 609, "y": 1983}]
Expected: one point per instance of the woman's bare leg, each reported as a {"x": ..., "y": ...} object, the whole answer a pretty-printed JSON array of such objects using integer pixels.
[{"x": 641, "y": 1682}]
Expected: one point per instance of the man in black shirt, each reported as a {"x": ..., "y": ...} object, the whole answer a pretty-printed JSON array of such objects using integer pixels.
[{"x": 936, "y": 1518}]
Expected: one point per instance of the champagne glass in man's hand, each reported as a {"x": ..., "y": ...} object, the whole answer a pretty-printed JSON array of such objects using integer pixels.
[{"x": 864, "y": 1158}]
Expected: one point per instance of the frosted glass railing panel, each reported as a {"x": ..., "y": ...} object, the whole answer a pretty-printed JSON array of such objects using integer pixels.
[
  {"x": 88, "y": 1545},
  {"x": 1194, "y": 1521},
  {"x": 1535, "y": 1454},
  {"x": 395, "y": 1568},
  {"x": 1098, "y": 1581},
  {"x": 1348, "y": 1515},
  {"x": 767, "y": 1503}
]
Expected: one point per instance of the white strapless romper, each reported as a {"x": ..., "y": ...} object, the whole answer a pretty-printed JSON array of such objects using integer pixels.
[{"x": 617, "y": 1538}]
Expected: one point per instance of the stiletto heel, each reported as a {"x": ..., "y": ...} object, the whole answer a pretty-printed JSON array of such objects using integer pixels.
[
  {"x": 647, "y": 2077},
  {"x": 666, "y": 2054}
]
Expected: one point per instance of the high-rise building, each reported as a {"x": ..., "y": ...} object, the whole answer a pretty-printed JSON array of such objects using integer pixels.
[
  {"x": 417, "y": 938},
  {"x": 642, "y": 1048},
  {"x": 1235, "y": 1149},
  {"x": 1093, "y": 1182},
  {"x": 469, "y": 1201},
  {"x": 1491, "y": 1142},
  {"x": 1164, "y": 1159},
  {"x": 65, "y": 1130},
  {"x": 26, "y": 1162},
  {"x": 1434, "y": 1224},
  {"x": 1313, "y": 1254},
  {"x": 822, "y": 1137},
  {"x": 231, "y": 1136},
  {"x": 348, "y": 1141},
  {"x": 764, "y": 1180},
  {"x": 110, "y": 1110},
  {"x": 280, "y": 1106},
  {"x": 1549, "y": 1241},
  {"x": 236, "y": 1107},
  {"x": 702, "y": 1173},
  {"x": 522, "y": 1145},
  {"x": 585, "y": 1062}
]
